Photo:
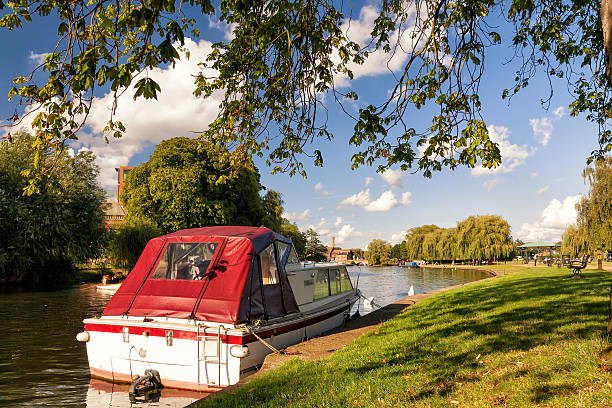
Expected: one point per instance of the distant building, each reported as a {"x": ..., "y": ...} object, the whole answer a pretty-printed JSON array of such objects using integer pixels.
[
  {"x": 342, "y": 255},
  {"x": 338, "y": 254},
  {"x": 121, "y": 174},
  {"x": 113, "y": 212}
]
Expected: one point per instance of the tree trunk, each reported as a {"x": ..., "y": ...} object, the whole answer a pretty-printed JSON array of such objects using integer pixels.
[
  {"x": 610, "y": 318},
  {"x": 606, "y": 26}
]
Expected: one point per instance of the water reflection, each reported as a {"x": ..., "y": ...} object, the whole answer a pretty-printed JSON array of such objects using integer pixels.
[
  {"x": 102, "y": 394},
  {"x": 42, "y": 365}
]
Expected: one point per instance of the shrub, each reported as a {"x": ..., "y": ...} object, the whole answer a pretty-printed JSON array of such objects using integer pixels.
[{"x": 127, "y": 241}]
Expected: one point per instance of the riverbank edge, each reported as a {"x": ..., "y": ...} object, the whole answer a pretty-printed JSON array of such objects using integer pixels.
[{"x": 323, "y": 346}]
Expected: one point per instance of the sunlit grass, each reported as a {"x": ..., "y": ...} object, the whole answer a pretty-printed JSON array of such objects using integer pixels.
[{"x": 528, "y": 338}]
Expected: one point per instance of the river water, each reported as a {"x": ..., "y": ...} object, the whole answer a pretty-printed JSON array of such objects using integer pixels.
[{"x": 41, "y": 363}]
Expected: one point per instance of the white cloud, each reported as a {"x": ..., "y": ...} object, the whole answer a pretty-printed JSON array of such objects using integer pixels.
[
  {"x": 534, "y": 174},
  {"x": 338, "y": 221},
  {"x": 490, "y": 184},
  {"x": 406, "y": 198},
  {"x": 385, "y": 202},
  {"x": 392, "y": 177},
  {"x": 318, "y": 226},
  {"x": 368, "y": 180},
  {"x": 542, "y": 190},
  {"x": 397, "y": 238},
  {"x": 378, "y": 62},
  {"x": 542, "y": 129},
  {"x": 227, "y": 29},
  {"x": 36, "y": 58},
  {"x": 553, "y": 220},
  {"x": 559, "y": 112},
  {"x": 318, "y": 186},
  {"x": 361, "y": 199},
  {"x": 512, "y": 155},
  {"x": 303, "y": 216},
  {"x": 346, "y": 233},
  {"x": 176, "y": 112}
]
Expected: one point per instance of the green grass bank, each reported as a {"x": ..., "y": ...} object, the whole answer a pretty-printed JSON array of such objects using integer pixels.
[{"x": 531, "y": 337}]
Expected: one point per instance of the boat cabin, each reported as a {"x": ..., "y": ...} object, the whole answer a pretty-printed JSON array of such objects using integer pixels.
[{"x": 224, "y": 274}]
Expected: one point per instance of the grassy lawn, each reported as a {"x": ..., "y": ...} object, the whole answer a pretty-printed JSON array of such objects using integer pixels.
[
  {"x": 531, "y": 337},
  {"x": 94, "y": 273}
]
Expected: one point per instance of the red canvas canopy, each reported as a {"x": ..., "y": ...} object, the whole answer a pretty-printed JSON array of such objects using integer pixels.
[{"x": 219, "y": 274}]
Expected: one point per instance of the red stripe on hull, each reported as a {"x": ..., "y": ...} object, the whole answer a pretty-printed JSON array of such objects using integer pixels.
[
  {"x": 229, "y": 339},
  {"x": 122, "y": 377}
]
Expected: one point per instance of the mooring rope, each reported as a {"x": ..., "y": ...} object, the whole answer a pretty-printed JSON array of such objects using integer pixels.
[
  {"x": 268, "y": 345},
  {"x": 371, "y": 301}
]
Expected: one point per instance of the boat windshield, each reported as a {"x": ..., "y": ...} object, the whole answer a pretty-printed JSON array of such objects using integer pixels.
[
  {"x": 185, "y": 261},
  {"x": 292, "y": 258}
]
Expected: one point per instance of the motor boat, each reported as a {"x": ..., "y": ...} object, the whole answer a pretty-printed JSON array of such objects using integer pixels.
[
  {"x": 204, "y": 306},
  {"x": 109, "y": 288}
]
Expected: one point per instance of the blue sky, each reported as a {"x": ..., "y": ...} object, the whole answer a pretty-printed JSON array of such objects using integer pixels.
[{"x": 535, "y": 189}]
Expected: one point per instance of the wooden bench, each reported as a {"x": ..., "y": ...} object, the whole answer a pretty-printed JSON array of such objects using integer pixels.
[
  {"x": 564, "y": 261},
  {"x": 578, "y": 265}
]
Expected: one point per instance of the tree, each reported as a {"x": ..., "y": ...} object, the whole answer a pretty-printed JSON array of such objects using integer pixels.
[
  {"x": 593, "y": 229},
  {"x": 273, "y": 210},
  {"x": 595, "y": 209},
  {"x": 396, "y": 251},
  {"x": 447, "y": 245},
  {"x": 181, "y": 186},
  {"x": 128, "y": 239},
  {"x": 484, "y": 237},
  {"x": 414, "y": 241},
  {"x": 575, "y": 242},
  {"x": 315, "y": 250},
  {"x": 378, "y": 252},
  {"x": 290, "y": 230},
  {"x": 358, "y": 253},
  {"x": 283, "y": 63},
  {"x": 477, "y": 237},
  {"x": 44, "y": 234}
]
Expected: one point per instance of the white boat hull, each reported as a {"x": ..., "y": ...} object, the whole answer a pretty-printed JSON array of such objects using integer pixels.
[
  {"x": 111, "y": 288},
  {"x": 194, "y": 356}
]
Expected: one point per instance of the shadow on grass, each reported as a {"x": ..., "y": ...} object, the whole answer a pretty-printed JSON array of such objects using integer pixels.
[
  {"x": 507, "y": 315},
  {"x": 440, "y": 343}
]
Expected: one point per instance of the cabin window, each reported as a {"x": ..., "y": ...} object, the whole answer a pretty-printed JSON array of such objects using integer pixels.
[
  {"x": 345, "y": 280},
  {"x": 185, "y": 261},
  {"x": 334, "y": 281},
  {"x": 321, "y": 289},
  {"x": 282, "y": 250},
  {"x": 269, "y": 274},
  {"x": 330, "y": 282}
]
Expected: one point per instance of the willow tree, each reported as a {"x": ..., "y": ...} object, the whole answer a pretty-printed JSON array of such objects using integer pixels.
[
  {"x": 430, "y": 245},
  {"x": 575, "y": 242},
  {"x": 283, "y": 67},
  {"x": 415, "y": 238},
  {"x": 447, "y": 246},
  {"x": 484, "y": 237},
  {"x": 595, "y": 209}
]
